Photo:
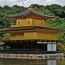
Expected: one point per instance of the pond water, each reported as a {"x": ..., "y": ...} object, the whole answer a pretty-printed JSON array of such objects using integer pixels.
[{"x": 31, "y": 62}]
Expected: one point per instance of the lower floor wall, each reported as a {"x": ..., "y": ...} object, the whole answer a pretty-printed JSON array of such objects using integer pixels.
[{"x": 31, "y": 46}]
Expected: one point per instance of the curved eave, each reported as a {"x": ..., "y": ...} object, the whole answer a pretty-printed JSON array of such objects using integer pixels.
[
  {"x": 41, "y": 29},
  {"x": 29, "y": 12}
]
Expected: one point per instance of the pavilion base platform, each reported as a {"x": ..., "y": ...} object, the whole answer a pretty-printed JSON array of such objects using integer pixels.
[{"x": 33, "y": 56}]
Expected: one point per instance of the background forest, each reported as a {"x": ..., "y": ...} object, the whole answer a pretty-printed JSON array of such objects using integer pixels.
[{"x": 55, "y": 10}]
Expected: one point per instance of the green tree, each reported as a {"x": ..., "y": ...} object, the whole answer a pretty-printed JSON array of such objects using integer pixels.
[{"x": 6, "y": 36}]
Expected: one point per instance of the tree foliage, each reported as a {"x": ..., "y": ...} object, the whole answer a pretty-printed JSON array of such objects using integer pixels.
[{"x": 6, "y": 36}]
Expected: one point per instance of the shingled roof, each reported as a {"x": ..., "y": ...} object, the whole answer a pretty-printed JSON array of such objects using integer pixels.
[{"x": 28, "y": 12}]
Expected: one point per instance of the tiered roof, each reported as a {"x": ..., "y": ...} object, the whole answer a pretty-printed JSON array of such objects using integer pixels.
[{"x": 23, "y": 15}]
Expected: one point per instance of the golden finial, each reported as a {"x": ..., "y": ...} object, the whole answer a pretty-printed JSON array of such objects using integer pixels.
[{"x": 30, "y": 7}]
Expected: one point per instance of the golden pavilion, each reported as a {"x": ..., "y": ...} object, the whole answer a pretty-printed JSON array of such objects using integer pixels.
[{"x": 31, "y": 34}]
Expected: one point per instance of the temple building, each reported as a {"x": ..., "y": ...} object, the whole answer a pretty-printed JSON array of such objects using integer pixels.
[{"x": 31, "y": 34}]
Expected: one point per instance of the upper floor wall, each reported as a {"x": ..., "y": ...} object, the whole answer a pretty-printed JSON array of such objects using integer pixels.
[{"x": 29, "y": 22}]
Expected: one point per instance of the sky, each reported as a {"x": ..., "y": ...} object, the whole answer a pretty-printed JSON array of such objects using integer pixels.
[{"x": 26, "y": 3}]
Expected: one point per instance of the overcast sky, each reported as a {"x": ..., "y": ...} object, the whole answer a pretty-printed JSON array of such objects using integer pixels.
[{"x": 26, "y": 3}]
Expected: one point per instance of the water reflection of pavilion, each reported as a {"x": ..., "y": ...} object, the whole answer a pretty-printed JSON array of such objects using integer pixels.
[{"x": 51, "y": 62}]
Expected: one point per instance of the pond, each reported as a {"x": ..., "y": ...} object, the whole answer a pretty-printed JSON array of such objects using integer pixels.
[{"x": 31, "y": 62}]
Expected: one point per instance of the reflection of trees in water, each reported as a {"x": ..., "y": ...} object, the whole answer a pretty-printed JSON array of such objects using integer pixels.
[
  {"x": 22, "y": 62},
  {"x": 61, "y": 62},
  {"x": 31, "y": 62}
]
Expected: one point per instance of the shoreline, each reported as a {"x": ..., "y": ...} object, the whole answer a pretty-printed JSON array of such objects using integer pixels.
[{"x": 33, "y": 56}]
